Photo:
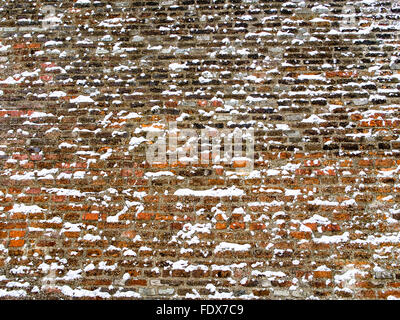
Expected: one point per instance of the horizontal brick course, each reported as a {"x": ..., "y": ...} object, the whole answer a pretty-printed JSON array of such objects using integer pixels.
[{"x": 84, "y": 214}]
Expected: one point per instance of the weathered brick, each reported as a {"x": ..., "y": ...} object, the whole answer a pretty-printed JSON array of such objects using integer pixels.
[{"x": 312, "y": 213}]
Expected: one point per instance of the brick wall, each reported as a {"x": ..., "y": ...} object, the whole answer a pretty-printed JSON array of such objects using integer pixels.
[{"x": 85, "y": 214}]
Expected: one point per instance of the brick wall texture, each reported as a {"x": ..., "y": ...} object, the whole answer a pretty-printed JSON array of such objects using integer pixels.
[{"x": 84, "y": 214}]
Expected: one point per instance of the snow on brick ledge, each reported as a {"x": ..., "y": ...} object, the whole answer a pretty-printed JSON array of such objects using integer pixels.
[{"x": 312, "y": 212}]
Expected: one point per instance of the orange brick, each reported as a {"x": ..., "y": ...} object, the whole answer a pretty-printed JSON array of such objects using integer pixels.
[
  {"x": 136, "y": 282},
  {"x": 19, "y": 46},
  {"x": 216, "y": 103},
  {"x": 17, "y": 233},
  {"x": 90, "y": 216},
  {"x": 16, "y": 243},
  {"x": 322, "y": 274},
  {"x": 240, "y": 163},
  {"x": 331, "y": 227},
  {"x": 34, "y": 45},
  {"x": 384, "y": 162},
  {"x": 340, "y": 74},
  {"x": 312, "y": 226},
  {"x": 257, "y": 226},
  {"x": 202, "y": 103},
  {"x": 237, "y": 225},
  {"x": 365, "y": 163},
  {"x": 220, "y": 226},
  {"x": 171, "y": 104},
  {"x": 144, "y": 216},
  {"x": 70, "y": 234},
  {"x": 300, "y": 234}
]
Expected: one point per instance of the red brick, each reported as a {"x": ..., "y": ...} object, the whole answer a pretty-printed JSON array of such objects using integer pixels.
[
  {"x": 16, "y": 243},
  {"x": 90, "y": 216},
  {"x": 17, "y": 233}
]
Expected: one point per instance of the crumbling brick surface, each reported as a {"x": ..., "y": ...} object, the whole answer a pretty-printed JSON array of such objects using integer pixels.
[{"x": 314, "y": 214}]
